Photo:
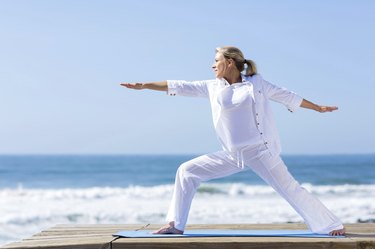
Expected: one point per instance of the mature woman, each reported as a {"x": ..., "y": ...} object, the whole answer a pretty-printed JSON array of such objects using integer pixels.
[{"x": 246, "y": 130}]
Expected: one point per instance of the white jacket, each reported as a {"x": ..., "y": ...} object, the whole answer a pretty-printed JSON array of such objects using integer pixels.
[{"x": 241, "y": 112}]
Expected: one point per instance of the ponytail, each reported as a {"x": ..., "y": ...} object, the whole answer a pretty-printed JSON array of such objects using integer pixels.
[{"x": 251, "y": 68}]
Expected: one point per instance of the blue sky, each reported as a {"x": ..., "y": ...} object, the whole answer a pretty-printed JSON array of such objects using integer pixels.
[{"x": 61, "y": 63}]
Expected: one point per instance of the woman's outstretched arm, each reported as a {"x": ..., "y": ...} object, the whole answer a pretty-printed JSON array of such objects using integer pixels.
[
  {"x": 319, "y": 108},
  {"x": 158, "y": 86}
]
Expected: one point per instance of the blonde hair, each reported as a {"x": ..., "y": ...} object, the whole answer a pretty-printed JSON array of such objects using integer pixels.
[{"x": 237, "y": 56}]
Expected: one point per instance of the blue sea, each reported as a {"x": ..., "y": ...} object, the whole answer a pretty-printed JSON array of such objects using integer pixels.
[{"x": 40, "y": 191}]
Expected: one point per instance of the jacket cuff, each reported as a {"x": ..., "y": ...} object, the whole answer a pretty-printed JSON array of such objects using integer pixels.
[
  {"x": 172, "y": 87},
  {"x": 295, "y": 104}
]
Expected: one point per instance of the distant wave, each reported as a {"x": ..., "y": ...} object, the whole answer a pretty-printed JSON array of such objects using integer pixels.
[
  {"x": 239, "y": 189},
  {"x": 161, "y": 191},
  {"x": 25, "y": 211}
]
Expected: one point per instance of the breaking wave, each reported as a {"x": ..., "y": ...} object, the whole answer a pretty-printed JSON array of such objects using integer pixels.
[{"x": 26, "y": 211}]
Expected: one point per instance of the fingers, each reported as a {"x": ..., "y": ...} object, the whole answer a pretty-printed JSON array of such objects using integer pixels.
[
  {"x": 136, "y": 86},
  {"x": 333, "y": 108},
  {"x": 328, "y": 108},
  {"x": 128, "y": 85}
]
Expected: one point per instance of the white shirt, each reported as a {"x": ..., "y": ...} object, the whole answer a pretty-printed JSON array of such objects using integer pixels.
[{"x": 241, "y": 112}]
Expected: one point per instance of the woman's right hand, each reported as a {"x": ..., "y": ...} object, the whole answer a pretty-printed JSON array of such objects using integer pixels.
[
  {"x": 135, "y": 86},
  {"x": 158, "y": 86}
]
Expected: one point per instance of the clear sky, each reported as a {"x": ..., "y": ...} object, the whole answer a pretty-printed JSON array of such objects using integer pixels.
[{"x": 61, "y": 63}]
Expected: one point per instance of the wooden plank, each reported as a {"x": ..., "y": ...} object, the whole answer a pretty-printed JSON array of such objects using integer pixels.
[{"x": 359, "y": 236}]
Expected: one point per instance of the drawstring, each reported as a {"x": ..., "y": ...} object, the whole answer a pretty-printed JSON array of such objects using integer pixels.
[
  {"x": 240, "y": 155},
  {"x": 240, "y": 159}
]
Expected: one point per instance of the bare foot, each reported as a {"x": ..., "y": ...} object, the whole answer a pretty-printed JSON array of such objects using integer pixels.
[
  {"x": 168, "y": 229},
  {"x": 337, "y": 232}
]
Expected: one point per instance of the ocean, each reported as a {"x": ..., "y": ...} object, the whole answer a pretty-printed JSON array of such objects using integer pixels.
[{"x": 40, "y": 191}]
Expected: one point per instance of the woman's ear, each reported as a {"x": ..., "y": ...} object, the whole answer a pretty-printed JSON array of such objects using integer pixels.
[{"x": 230, "y": 62}]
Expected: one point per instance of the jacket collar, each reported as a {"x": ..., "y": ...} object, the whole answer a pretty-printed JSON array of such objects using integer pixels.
[{"x": 244, "y": 79}]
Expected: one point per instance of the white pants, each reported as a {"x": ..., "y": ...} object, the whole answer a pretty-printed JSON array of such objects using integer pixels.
[{"x": 270, "y": 168}]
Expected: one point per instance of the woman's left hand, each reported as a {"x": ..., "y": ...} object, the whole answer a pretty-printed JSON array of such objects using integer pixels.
[{"x": 327, "y": 108}]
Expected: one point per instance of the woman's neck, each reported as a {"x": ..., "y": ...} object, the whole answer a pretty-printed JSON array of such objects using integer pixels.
[{"x": 233, "y": 78}]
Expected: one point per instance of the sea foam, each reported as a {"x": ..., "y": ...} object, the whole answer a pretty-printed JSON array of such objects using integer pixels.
[{"x": 26, "y": 211}]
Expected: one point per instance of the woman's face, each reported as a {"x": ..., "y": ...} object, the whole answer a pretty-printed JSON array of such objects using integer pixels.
[{"x": 220, "y": 65}]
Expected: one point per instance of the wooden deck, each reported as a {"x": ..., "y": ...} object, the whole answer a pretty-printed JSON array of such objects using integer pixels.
[{"x": 361, "y": 236}]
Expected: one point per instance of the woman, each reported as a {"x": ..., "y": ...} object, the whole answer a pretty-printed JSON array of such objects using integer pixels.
[{"x": 244, "y": 125}]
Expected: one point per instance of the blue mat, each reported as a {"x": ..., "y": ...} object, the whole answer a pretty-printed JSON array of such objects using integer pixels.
[{"x": 225, "y": 233}]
